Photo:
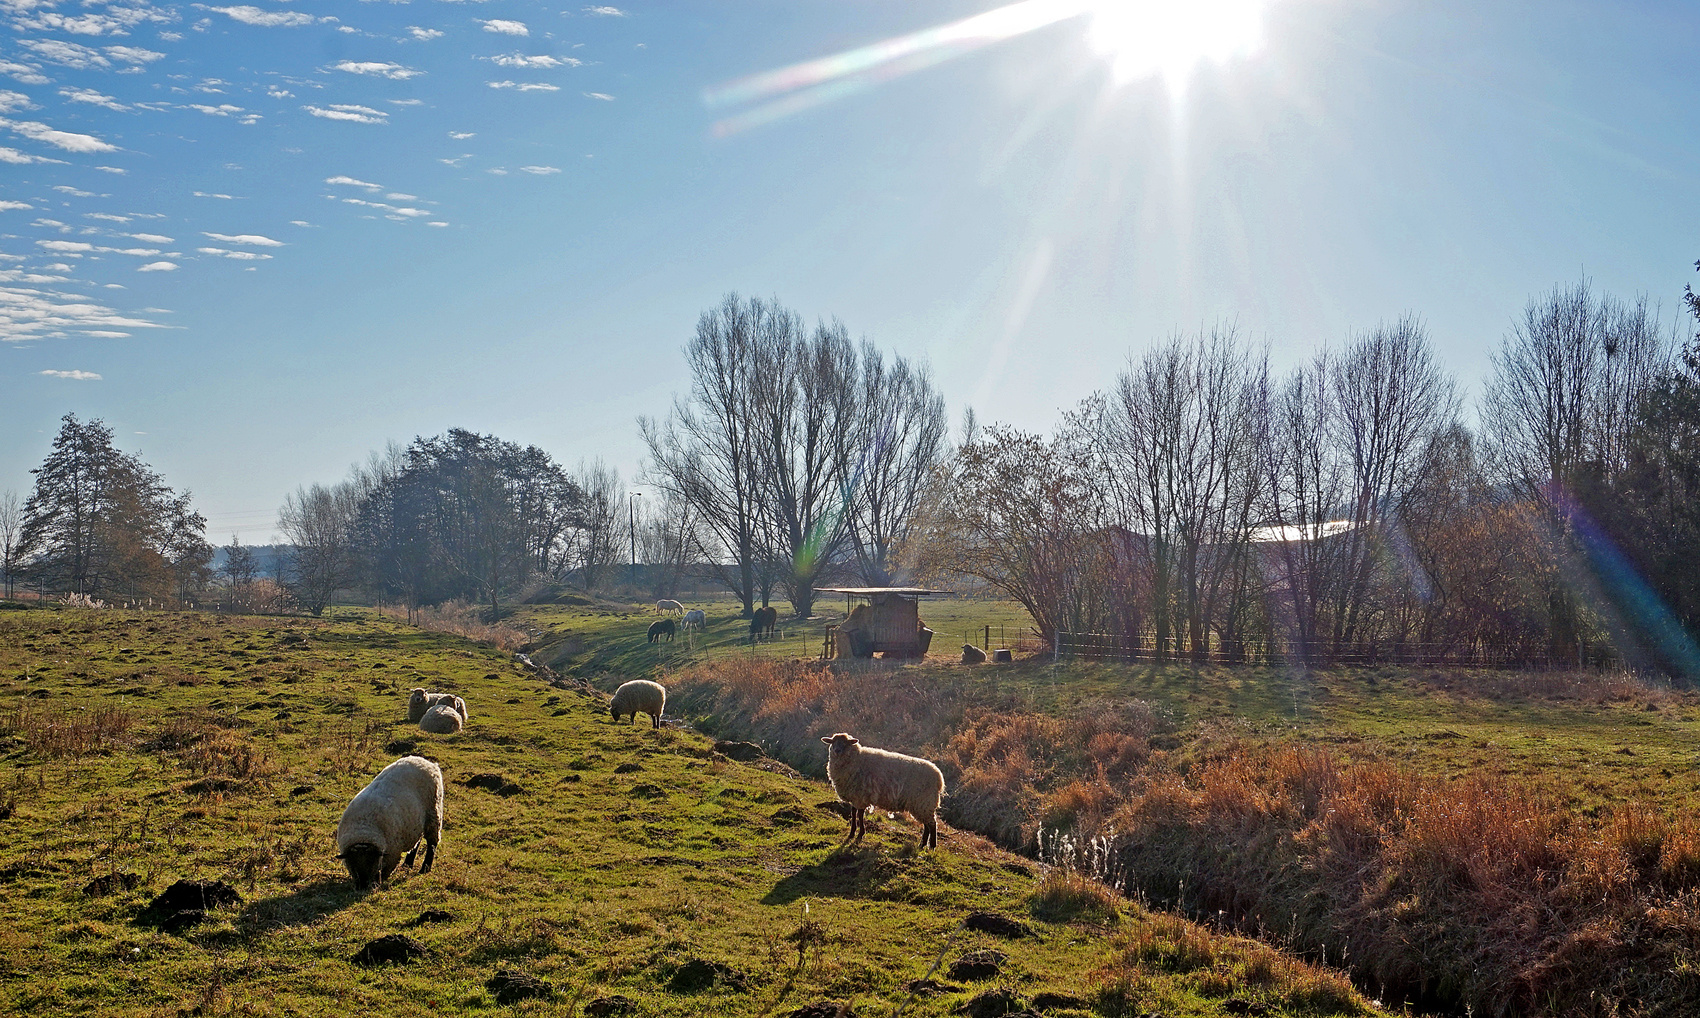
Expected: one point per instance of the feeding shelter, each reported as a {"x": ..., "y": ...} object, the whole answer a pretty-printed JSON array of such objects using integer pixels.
[{"x": 880, "y": 620}]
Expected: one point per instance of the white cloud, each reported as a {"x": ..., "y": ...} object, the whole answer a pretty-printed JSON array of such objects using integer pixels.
[
  {"x": 60, "y": 139},
  {"x": 279, "y": 93},
  {"x": 67, "y": 54},
  {"x": 265, "y": 19},
  {"x": 461, "y": 135},
  {"x": 405, "y": 102},
  {"x": 27, "y": 74},
  {"x": 529, "y": 86},
  {"x": 157, "y": 267},
  {"x": 40, "y": 314},
  {"x": 438, "y": 223},
  {"x": 541, "y": 171},
  {"x": 221, "y": 110},
  {"x": 109, "y": 217},
  {"x": 133, "y": 54},
  {"x": 604, "y": 12},
  {"x": 423, "y": 34},
  {"x": 381, "y": 69},
  {"x": 603, "y": 96},
  {"x": 65, "y": 246},
  {"x": 251, "y": 239},
  {"x": 150, "y": 238},
  {"x": 89, "y": 95},
  {"x": 74, "y": 192},
  {"x": 10, "y": 101},
  {"x": 398, "y": 196},
  {"x": 500, "y": 171},
  {"x": 247, "y": 256},
  {"x": 501, "y": 27},
  {"x": 10, "y": 206},
  {"x": 13, "y": 156},
  {"x": 205, "y": 194},
  {"x": 352, "y": 182},
  {"x": 354, "y": 114},
  {"x": 456, "y": 161},
  {"x": 541, "y": 60},
  {"x": 299, "y": 222},
  {"x": 76, "y": 376},
  {"x": 112, "y": 169}
]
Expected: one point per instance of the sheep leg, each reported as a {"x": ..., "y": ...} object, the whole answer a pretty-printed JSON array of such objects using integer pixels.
[
  {"x": 930, "y": 834},
  {"x": 860, "y": 824},
  {"x": 654, "y": 720},
  {"x": 430, "y": 857},
  {"x": 407, "y": 860}
]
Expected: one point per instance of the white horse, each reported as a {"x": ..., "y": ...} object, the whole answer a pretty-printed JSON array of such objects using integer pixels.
[
  {"x": 665, "y": 605},
  {"x": 695, "y": 619}
]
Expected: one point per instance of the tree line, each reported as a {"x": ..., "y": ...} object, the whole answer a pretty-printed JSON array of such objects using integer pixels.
[{"x": 1202, "y": 505}]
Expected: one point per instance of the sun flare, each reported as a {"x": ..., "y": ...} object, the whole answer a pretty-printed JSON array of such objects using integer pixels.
[{"x": 1141, "y": 38}]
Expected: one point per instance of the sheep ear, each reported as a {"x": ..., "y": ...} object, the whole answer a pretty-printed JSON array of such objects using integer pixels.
[{"x": 826, "y": 739}]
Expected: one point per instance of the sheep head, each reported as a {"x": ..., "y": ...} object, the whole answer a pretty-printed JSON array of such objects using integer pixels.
[
  {"x": 365, "y": 863},
  {"x": 842, "y": 742}
]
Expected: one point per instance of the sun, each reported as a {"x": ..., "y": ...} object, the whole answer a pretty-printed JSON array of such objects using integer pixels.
[{"x": 1170, "y": 38}]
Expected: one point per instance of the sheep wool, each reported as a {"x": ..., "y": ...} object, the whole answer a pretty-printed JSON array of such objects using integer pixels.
[
  {"x": 421, "y": 700},
  {"x": 863, "y": 776},
  {"x": 639, "y": 695},
  {"x": 388, "y": 817},
  {"x": 442, "y": 719}
]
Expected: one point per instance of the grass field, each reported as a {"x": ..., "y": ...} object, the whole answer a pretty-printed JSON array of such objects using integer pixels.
[{"x": 619, "y": 864}]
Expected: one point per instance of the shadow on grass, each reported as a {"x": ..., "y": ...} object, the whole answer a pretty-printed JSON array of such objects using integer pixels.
[
  {"x": 306, "y": 904},
  {"x": 879, "y": 873}
]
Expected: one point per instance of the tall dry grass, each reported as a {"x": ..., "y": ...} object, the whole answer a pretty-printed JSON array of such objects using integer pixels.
[
  {"x": 464, "y": 619},
  {"x": 1470, "y": 894}
]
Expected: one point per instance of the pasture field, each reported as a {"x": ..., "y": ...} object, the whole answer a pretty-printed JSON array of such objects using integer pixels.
[
  {"x": 636, "y": 871},
  {"x": 589, "y": 639}
]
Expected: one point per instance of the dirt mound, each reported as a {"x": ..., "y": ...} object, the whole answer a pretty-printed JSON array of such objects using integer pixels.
[
  {"x": 982, "y": 964},
  {"x": 611, "y": 1007},
  {"x": 111, "y": 882},
  {"x": 740, "y": 751},
  {"x": 997, "y": 925},
  {"x": 697, "y": 974},
  {"x": 995, "y": 1004},
  {"x": 187, "y": 902},
  {"x": 433, "y": 915},
  {"x": 394, "y": 949},
  {"x": 511, "y": 986},
  {"x": 494, "y": 783},
  {"x": 824, "y": 1009}
]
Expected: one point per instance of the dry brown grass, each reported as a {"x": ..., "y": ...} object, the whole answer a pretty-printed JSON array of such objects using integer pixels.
[
  {"x": 55, "y": 732},
  {"x": 461, "y": 618}
]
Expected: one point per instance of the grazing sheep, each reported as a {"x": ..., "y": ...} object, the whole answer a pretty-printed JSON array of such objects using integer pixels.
[
  {"x": 972, "y": 655},
  {"x": 763, "y": 622},
  {"x": 695, "y": 619},
  {"x": 665, "y": 605},
  {"x": 863, "y": 776},
  {"x": 388, "y": 817},
  {"x": 639, "y": 695},
  {"x": 421, "y": 700},
  {"x": 442, "y": 719},
  {"x": 661, "y": 628}
]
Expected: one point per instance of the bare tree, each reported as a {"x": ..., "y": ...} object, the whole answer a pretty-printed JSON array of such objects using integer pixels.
[
  {"x": 668, "y": 541},
  {"x": 11, "y": 520},
  {"x": 319, "y": 521},
  {"x": 598, "y": 540},
  {"x": 1179, "y": 437},
  {"x": 892, "y": 454},
  {"x": 1558, "y": 409},
  {"x": 705, "y": 451}
]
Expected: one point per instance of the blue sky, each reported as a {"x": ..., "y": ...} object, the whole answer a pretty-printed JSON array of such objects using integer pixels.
[{"x": 284, "y": 233}]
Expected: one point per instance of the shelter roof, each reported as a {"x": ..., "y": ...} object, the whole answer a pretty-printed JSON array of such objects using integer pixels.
[{"x": 871, "y": 591}]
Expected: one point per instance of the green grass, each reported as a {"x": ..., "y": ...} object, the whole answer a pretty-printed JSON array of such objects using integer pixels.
[
  {"x": 611, "y": 637},
  {"x": 180, "y": 745}
]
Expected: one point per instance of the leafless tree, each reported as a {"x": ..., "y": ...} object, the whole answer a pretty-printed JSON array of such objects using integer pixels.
[
  {"x": 1179, "y": 438},
  {"x": 11, "y": 520},
  {"x": 669, "y": 541},
  {"x": 892, "y": 454},
  {"x": 597, "y": 544},
  {"x": 319, "y": 522},
  {"x": 705, "y": 453}
]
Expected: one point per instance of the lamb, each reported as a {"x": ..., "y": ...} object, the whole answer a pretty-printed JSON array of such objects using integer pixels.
[
  {"x": 972, "y": 655},
  {"x": 659, "y": 629},
  {"x": 388, "y": 817},
  {"x": 863, "y": 776},
  {"x": 420, "y": 700},
  {"x": 695, "y": 619},
  {"x": 639, "y": 695},
  {"x": 442, "y": 719}
]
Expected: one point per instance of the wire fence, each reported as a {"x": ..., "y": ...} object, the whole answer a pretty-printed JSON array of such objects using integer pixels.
[{"x": 1130, "y": 648}]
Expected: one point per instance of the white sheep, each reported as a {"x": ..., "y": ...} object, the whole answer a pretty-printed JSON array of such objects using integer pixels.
[
  {"x": 388, "y": 817},
  {"x": 442, "y": 719},
  {"x": 421, "y": 700},
  {"x": 639, "y": 695},
  {"x": 863, "y": 776},
  {"x": 695, "y": 619}
]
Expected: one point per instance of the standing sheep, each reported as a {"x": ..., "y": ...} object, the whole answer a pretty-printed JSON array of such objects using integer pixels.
[
  {"x": 863, "y": 776},
  {"x": 639, "y": 695},
  {"x": 388, "y": 817},
  {"x": 442, "y": 719}
]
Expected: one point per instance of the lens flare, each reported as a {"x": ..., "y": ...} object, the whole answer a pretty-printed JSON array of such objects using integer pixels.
[{"x": 1141, "y": 38}]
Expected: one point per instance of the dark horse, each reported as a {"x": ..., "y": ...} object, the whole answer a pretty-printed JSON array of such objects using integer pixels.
[
  {"x": 659, "y": 629},
  {"x": 763, "y": 622}
]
